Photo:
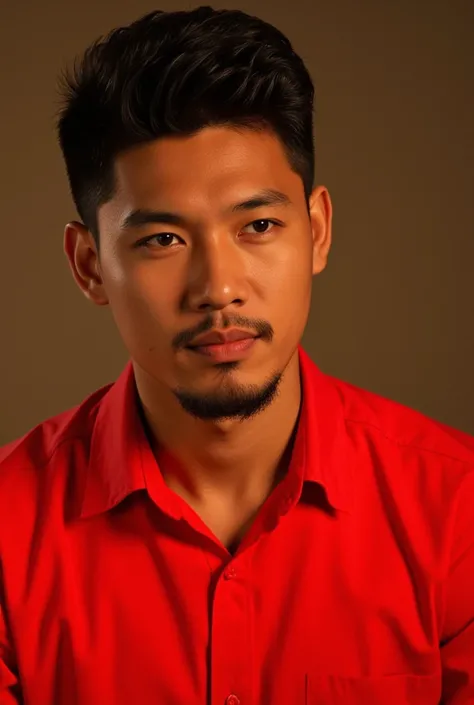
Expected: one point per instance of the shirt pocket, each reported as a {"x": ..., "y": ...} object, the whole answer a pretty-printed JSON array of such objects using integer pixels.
[{"x": 380, "y": 690}]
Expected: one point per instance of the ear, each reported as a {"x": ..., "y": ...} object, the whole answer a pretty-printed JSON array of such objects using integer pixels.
[
  {"x": 320, "y": 208},
  {"x": 81, "y": 251}
]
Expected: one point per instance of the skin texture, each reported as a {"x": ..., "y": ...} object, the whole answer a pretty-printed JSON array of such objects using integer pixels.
[{"x": 222, "y": 434}]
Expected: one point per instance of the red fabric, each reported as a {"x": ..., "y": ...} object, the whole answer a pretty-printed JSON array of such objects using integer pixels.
[{"x": 354, "y": 585}]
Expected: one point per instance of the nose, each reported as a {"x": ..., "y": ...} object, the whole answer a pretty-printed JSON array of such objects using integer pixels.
[{"x": 217, "y": 276}]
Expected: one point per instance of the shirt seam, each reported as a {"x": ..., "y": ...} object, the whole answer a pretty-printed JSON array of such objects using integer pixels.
[{"x": 401, "y": 444}]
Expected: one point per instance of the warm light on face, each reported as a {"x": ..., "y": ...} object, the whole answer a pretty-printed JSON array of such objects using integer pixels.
[{"x": 205, "y": 232}]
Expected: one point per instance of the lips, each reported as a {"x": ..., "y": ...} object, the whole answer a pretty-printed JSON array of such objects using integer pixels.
[{"x": 221, "y": 337}]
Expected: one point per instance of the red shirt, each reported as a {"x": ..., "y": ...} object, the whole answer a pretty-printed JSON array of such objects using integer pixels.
[{"x": 354, "y": 585}]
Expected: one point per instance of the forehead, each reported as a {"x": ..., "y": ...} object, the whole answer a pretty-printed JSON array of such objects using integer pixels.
[{"x": 216, "y": 166}]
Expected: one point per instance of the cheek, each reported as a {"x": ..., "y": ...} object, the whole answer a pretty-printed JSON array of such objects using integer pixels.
[
  {"x": 289, "y": 295},
  {"x": 138, "y": 286},
  {"x": 290, "y": 274},
  {"x": 141, "y": 304}
]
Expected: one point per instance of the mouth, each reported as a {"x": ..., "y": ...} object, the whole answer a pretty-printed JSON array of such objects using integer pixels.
[{"x": 226, "y": 352}]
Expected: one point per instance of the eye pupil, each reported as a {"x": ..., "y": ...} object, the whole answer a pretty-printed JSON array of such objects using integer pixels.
[
  {"x": 165, "y": 238},
  {"x": 260, "y": 225}
]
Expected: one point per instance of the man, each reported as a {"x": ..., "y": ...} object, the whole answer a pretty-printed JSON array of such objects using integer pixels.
[{"x": 225, "y": 523}]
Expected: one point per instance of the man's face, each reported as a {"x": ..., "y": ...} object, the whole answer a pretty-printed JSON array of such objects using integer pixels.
[{"x": 210, "y": 264}]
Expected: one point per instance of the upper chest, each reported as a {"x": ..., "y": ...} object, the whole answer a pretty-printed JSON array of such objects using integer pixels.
[{"x": 132, "y": 594}]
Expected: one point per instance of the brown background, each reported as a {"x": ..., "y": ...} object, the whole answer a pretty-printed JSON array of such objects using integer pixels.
[{"x": 394, "y": 311}]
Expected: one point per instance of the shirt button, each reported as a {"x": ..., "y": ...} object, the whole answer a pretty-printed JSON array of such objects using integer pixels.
[
  {"x": 230, "y": 573},
  {"x": 232, "y": 700}
]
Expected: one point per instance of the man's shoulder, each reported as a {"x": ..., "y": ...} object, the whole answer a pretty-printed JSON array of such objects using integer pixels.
[
  {"x": 403, "y": 426},
  {"x": 34, "y": 449}
]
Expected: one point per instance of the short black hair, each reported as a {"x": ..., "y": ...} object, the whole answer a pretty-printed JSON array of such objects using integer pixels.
[{"x": 174, "y": 73}]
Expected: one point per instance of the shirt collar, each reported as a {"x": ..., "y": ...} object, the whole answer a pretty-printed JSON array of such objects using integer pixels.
[
  {"x": 324, "y": 440},
  {"x": 115, "y": 467},
  {"x": 120, "y": 453}
]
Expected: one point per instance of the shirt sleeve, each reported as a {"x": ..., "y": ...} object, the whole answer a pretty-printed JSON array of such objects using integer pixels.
[
  {"x": 9, "y": 686},
  {"x": 457, "y": 644}
]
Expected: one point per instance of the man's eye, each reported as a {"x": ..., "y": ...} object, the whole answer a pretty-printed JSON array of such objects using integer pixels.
[
  {"x": 261, "y": 226},
  {"x": 162, "y": 240}
]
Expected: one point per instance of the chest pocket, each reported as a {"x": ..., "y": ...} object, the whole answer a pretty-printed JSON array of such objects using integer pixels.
[{"x": 383, "y": 690}]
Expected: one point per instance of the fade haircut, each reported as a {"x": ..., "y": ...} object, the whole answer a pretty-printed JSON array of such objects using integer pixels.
[{"x": 174, "y": 73}]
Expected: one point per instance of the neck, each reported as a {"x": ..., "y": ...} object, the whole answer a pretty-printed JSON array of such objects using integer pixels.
[{"x": 232, "y": 459}]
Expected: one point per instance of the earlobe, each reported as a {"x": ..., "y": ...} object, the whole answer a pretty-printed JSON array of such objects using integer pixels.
[
  {"x": 321, "y": 224},
  {"x": 81, "y": 252}
]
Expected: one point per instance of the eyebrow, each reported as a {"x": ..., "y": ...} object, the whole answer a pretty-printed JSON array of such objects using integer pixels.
[{"x": 143, "y": 216}]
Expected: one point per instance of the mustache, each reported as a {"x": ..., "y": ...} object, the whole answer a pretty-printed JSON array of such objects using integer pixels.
[{"x": 259, "y": 326}]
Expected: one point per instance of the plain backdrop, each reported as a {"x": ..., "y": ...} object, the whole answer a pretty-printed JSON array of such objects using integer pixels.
[{"x": 393, "y": 312}]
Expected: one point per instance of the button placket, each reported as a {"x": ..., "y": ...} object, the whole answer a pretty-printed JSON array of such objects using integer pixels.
[{"x": 231, "y": 664}]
